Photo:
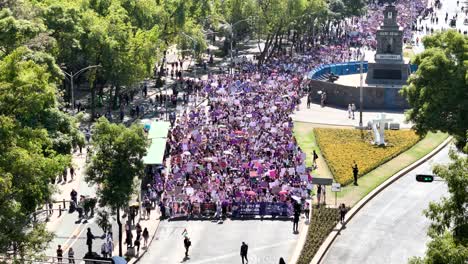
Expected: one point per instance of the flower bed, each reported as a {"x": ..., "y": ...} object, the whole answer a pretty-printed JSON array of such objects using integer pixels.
[
  {"x": 322, "y": 223},
  {"x": 341, "y": 146}
]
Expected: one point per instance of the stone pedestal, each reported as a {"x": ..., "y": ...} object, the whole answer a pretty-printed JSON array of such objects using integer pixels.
[
  {"x": 389, "y": 67},
  {"x": 387, "y": 74}
]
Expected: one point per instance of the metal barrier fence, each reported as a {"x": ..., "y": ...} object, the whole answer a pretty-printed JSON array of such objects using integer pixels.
[{"x": 54, "y": 259}]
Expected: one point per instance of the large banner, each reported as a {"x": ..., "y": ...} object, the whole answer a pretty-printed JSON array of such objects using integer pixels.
[
  {"x": 179, "y": 209},
  {"x": 261, "y": 208}
]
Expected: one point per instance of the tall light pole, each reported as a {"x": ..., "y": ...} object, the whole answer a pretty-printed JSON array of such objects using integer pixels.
[
  {"x": 195, "y": 65},
  {"x": 360, "y": 90},
  {"x": 194, "y": 43},
  {"x": 71, "y": 76},
  {"x": 231, "y": 27}
]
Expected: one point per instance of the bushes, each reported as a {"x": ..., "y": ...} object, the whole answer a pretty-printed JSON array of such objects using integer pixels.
[
  {"x": 322, "y": 223},
  {"x": 341, "y": 146}
]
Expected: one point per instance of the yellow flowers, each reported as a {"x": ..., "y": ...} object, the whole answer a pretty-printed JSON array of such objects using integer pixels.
[{"x": 341, "y": 146}]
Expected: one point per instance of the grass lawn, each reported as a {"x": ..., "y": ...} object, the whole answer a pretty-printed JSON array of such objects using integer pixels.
[
  {"x": 341, "y": 147},
  {"x": 305, "y": 136},
  {"x": 350, "y": 194}
]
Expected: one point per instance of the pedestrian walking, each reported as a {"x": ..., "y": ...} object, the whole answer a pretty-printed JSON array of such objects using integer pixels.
[
  {"x": 343, "y": 211},
  {"x": 64, "y": 175},
  {"x": 314, "y": 158},
  {"x": 349, "y": 111},
  {"x": 72, "y": 172},
  {"x": 355, "y": 172},
  {"x": 104, "y": 251},
  {"x": 109, "y": 243},
  {"x": 187, "y": 244},
  {"x": 145, "y": 237},
  {"x": 353, "y": 109},
  {"x": 243, "y": 252},
  {"x": 71, "y": 255},
  {"x": 307, "y": 211},
  {"x": 148, "y": 207},
  {"x": 51, "y": 208},
  {"x": 59, "y": 254},
  {"x": 137, "y": 244},
  {"x": 139, "y": 229},
  {"x": 129, "y": 238}
]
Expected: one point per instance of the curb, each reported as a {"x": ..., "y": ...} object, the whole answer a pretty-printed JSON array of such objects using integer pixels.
[{"x": 332, "y": 236}]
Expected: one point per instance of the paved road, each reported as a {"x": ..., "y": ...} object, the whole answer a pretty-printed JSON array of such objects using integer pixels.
[
  {"x": 391, "y": 227},
  {"x": 220, "y": 243}
]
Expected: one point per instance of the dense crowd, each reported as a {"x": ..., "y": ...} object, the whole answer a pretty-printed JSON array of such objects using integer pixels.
[{"x": 240, "y": 147}]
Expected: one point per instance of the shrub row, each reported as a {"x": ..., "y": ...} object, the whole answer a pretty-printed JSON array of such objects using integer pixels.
[{"x": 322, "y": 223}]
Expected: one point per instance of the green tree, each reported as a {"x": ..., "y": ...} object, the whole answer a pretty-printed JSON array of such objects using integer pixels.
[
  {"x": 449, "y": 227},
  {"x": 16, "y": 32},
  {"x": 438, "y": 91},
  {"x": 29, "y": 159},
  {"x": 116, "y": 163}
]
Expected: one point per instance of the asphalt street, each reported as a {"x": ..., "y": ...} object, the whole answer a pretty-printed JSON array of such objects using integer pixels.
[
  {"x": 71, "y": 233},
  {"x": 391, "y": 227},
  {"x": 212, "y": 243}
]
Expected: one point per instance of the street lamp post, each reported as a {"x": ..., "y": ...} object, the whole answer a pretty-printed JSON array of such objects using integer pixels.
[
  {"x": 72, "y": 76},
  {"x": 195, "y": 64},
  {"x": 360, "y": 90},
  {"x": 231, "y": 25},
  {"x": 194, "y": 43}
]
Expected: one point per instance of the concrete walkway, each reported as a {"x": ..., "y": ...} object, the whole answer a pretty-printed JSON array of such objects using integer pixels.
[{"x": 339, "y": 117}]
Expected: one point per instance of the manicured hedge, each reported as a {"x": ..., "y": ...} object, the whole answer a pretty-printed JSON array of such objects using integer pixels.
[
  {"x": 322, "y": 223},
  {"x": 341, "y": 146}
]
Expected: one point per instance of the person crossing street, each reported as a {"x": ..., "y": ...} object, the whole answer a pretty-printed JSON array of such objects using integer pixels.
[{"x": 243, "y": 252}]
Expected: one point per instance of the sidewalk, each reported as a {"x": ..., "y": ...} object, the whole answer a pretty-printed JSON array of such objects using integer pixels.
[
  {"x": 152, "y": 224},
  {"x": 64, "y": 189},
  {"x": 339, "y": 117}
]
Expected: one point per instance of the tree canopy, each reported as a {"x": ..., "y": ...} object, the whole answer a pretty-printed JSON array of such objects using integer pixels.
[
  {"x": 117, "y": 162},
  {"x": 31, "y": 155},
  {"x": 438, "y": 91},
  {"x": 449, "y": 224}
]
